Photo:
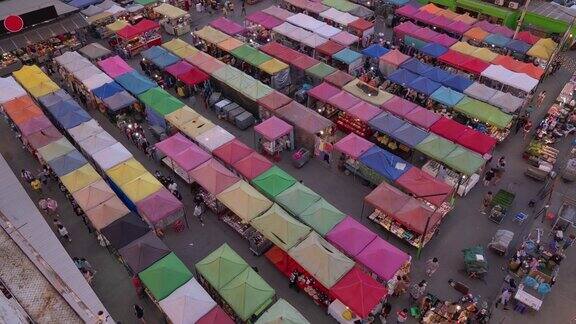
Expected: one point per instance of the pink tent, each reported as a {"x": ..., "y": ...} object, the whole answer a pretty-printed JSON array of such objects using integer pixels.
[
  {"x": 274, "y": 100},
  {"x": 364, "y": 111},
  {"x": 161, "y": 206},
  {"x": 382, "y": 258},
  {"x": 458, "y": 27},
  {"x": 34, "y": 124},
  {"x": 323, "y": 92},
  {"x": 485, "y": 25},
  {"x": 444, "y": 40},
  {"x": 424, "y": 16},
  {"x": 191, "y": 157},
  {"x": 227, "y": 26},
  {"x": 252, "y": 166},
  {"x": 422, "y": 117},
  {"x": 114, "y": 66},
  {"x": 353, "y": 145},
  {"x": 216, "y": 316},
  {"x": 394, "y": 57},
  {"x": 265, "y": 20},
  {"x": 345, "y": 38},
  {"x": 407, "y": 11},
  {"x": 503, "y": 30},
  {"x": 426, "y": 34},
  {"x": 350, "y": 236},
  {"x": 399, "y": 106},
  {"x": 315, "y": 7},
  {"x": 232, "y": 151},
  {"x": 174, "y": 145},
  {"x": 43, "y": 137},
  {"x": 441, "y": 22},
  {"x": 179, "y": 68},
  {"x": 343, "y": 100},
  {"x": 406, "y": 28},
  {"x": 213, "y": 176},
  {"x": 273, "y": 128}
]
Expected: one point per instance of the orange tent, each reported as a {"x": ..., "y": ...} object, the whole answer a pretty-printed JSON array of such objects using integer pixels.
[
  {"x": 430, "y": 8},
  {"x": 93, "y": 195},
  {"x": 106, "y": 213},
  {"x": 476, "y": 33}
]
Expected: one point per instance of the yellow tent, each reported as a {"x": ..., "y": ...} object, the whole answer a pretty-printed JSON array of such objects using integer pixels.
[
  {"x": 169, "y": 11},
  {"x": 430, "y": 8},
  {"x": 42, "y": 88},
  {"x": 281, "y": 228},
  {"x": 27, "y": 73},
  {"x": 230, "y": 44},
  {"x": 540, "y": 51},
  {"x": 548, "y": 43},
  {"x": 273, "y": 66},
  {"x": 244, "y": 201},
  {"x": 196, "y": 127},
  {"x": 186, "y": 51},
  {"x": 141, "y": 187},
  {"x": 174, "y": 44},
  {"x": 126, "y": 171},
  {"x": 211, "y": 35},
  {"x": 378, "y": 100},
  {"x": 80, "y": 178},
  {"x": 117, "y": 25},
  {"x": 181, "y": 116},
  {"x": 180, "y": 48},
  {"x": 463, "y": 48},
  {"x": 484, "y": 54},
  {"x": 55, "y": 149}
]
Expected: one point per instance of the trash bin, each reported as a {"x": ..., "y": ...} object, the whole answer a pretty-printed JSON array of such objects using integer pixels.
[{"x": 300, "y": 157}]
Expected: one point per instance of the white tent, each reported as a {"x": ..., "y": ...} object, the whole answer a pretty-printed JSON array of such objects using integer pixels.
[
  {"x": 91, "y": 11},
  {"x": 522, "y": 81},
  {"x": 479, "y": 91},
  {"x": 214, "y": 138},
  {"x": 96, "y": 143},
  {"x": 85, "y": 130},
  {"x": 115, "y": 9},
  {"x": 305, "y": 21},
  {"x": 111, "y": 156},
  {"x": 68, "y": 57},
  {"x": 77, "y": 64},
  {"x": 299, "y": 34},
  {"x": 507, "y": 102},
  {"x": 327, "y": 31},
  {"x": 86, "y": 73},
  {"x": 496, "y": 73},
  {"x": 97, "y": 81},
  {"x": 314, "y": 40},
  {"x": 10, "y": 89},
  {"x": 187, "y": 304},
  {"x": 284, "y": 28},
  {"x": 339, "y": 17}
]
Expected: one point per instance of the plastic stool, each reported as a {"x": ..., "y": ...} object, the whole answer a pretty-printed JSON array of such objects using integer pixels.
[{"x": 520, "y": 218}]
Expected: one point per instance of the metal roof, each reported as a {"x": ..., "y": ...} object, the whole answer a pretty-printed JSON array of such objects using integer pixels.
[
  {"x": 18, "y": 7},
  {"x": 552, "y": 10}
]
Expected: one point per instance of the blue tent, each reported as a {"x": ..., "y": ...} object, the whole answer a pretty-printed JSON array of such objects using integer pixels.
[
  {"x": 386, "y": 123},
  {"x": 385, "y": 163},
  {"x": 135, "y": 82},
  {"x": 107, "y": 90},
  {"x": 518, "y": 46},
  {"x": 153, "y": 52},
  {"x": 67, "y": 163},
  {"x": 347, "y": 56},
  {"x": 413, "y": 65},
  {"x": 434, "y": 50},
  {"x": 119, "y": 100},
  {"x": 399, "y": 3},
  {"x": 437, "y": 74},
  {"x": 73, "y": 118},
  {"x": 457, "y": 82},
  {"x": 402, "y": 77},
  {"x": 447, "y": 96},
  {"x": 375, "y": 51},
  {"x": 62, "y": 107},
  {"x": 165, "y": 60},
  {"x": 424, "y": 85},
  {"x": 409, "y": 135},
  {"x": 497, "y": 40},
  {"x": 81, "y": 4},
  {"x": 54, "y": 98}
]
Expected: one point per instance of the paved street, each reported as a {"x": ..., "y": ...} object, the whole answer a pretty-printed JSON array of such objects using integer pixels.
[{"x": 463, "y": 227}]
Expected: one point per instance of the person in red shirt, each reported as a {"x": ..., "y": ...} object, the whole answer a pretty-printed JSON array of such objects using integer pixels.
[
  {"x": 402, "y": 316},
  {"x": 137, "y": 284}
]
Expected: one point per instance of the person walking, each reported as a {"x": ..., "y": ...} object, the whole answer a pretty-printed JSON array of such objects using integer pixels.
[
  {"x": 540, "y": 99},
  {"x": 243, "y": 7},
  {"x": 64, "y": 233},
  {"x": 504, "y": 298},
  {"x": 137, "y": 284},
  {"x": 402, "y": 316},
  {"x": 86, "y": 265},
  {"x": 527, "y": 128},
  {"x": 52, "y": 206},
  {"x": 486, "y": 201},
  {"x": 385, "y": 312},
  {"x": 198, "y": 213},
  {"x": 488, "y": 176},
  {"x": 57, "y": 223},
  {"x": 417, "y": 291},
  {"x": 26, "y": 175},
  {"x": 101, "y": 318},
  {"x": 43, "y": 177},
  {"x": 36, "y": 185},
  {"x": 432, "y": 266},
  {"x": 520, "y": 123},
  {"x": 139, "y": 313},
  {"x": 89, "y": 276},
  {"x": 401, "y": 285},
  {"x": 173, "y": 186},
  {"x": 43, "y": 204}
]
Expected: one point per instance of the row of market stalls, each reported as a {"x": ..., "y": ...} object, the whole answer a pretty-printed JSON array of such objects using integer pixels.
[
  {"x": 480, "y": 32},
  {"x": 349, "y": 11}
]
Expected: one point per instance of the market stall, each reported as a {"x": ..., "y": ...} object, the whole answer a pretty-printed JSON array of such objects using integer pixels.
[
  {"x": 282, "y": 311},
  {"x": 160, "y": 209},
  {"x": 228, "y": 26},
  {"x": 252, "y": 166},
  {"x": 274, "y": 136},
  {"x": 319, "y": 100},
  {"x": 349, "y": 60},
  {"x": 189, "y": 303},
  {"x": 105, "y": 213},
  {"x": 164, "y": 276},
  {"x": 182, "y": 156},
  {"x": 143, "y": 252},
  {"x": 352, "y": 147},
  {"x": 214, "y": 178},
  {"x": 114, "y": 66},
  {"x": 377, "y": 165},
  {"x": 159, "y": 103},
  {"x": 259, "y": 25},
  {"x": 175, "y": 21},
  {"x": 428, "y": 189},
  {"x": 180, "y": 48},
  {"x": 297, "y": 199},
  {"x": 321, "y": 216},
  {"x": 117, "y": 234},
  {"x": 280, "y": 228},
  {"x": 133, "y": 39},
  {"x": 273, "y": 182},
  {"x": 270, "y": 103},
  {"x": 278, "y": 12},
  {"x": 95, "y": 52}
]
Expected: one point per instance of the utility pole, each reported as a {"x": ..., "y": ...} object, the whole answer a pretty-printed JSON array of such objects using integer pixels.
[{"x": 521, "y": 19}]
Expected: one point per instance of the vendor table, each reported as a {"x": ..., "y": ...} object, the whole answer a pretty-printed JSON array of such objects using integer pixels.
[
  {"x": 528, "y": 299},
  {"x": 337, "y": 310}
]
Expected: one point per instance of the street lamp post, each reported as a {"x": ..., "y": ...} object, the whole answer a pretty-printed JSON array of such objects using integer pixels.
[{"x": 521, "y": 20}]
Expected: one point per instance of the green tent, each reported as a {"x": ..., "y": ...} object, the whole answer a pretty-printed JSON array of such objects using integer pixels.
[
  {"x": 322, "y": 216},
  {"x": 221, "y": 266},
  {"x": 342, "y": 5},
  {"x": 250, "y": 55},
  {"x": 414, "y": 42},
  {"x": 256, "y": 91},
  {"x": 484, "y": 112},
  {"x": 464, "y": 161},
  {"x": 320, "y": 70},
  {"x": 160, "y": 101},
  {"x": 248, "y": 294},
  {"x": 165, "y": 276},
  {"x": 282, "y": 313},
  {"x": 273, "y": 182},
  {"x": 145, "y": 2},
  {"x": 227, "y": 73},
  {"x": 241, "y": 82},
  {"x": 297, "y": 198},
  {"x": 435, "y": 147},
  {"x": 280, "y": 228}
]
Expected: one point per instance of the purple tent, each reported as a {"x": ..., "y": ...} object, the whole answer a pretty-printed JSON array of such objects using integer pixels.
[
  {"x": 382, "y": 258},
  {"x": 350, "y": 236}
]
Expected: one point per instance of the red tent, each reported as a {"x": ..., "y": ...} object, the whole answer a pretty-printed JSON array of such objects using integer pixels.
[
  {"x": 193, "y": 77},
  {"x": 422, "y": 185},
  {"x": 448, "y": 128},
  {"x": 387, "y": 198},
  {"x": 232, "y": 151},
  {"x": 360, "y": 292},
  {"x": 303, "y": 61},
  {"x": 330, "y": 48},
  {"x": 145, "y": 25},
  {"x": 213, "y": 176},
  {"x": 252, "y": 166},
  {"x": 128, "y": 32},
  {"x": 476, "y": 141},
  {"x": 353, "y": 145},
  {"x": 272, "y": 48},
  {"x": 454, "y": 58},
  {"x": 216, "y": 316},
  {"x": 339, "y": 78},
  {"x": 274, "y": 100},
  {"x": 414, "y": 215},
  {"x": 474, "y": 65},
  {"x": 527, "y": 37}
]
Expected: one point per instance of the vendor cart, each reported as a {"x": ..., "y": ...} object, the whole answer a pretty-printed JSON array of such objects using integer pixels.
[
  {"x": 475, "y": 262},
  {"x": 501, "y": 241},
  {"x": 501, "y": 203},
  {"x": 300, "y": 157}
]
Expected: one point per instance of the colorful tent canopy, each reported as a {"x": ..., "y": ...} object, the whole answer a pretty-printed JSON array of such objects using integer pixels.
[
  {"x": 93, "y": 195},
  {"x": 244, "y": 201},
  {"x": 518, "y": 46},
  {"x": 478, "y": 142},
  {"x": 160, "y": 207},
  {"x": 327, "y": 31},
  {"x": 43, "y": 137},
  {"x": 173, "y": 145},
  {"x": 111, "y": 156},
  {"x": 323, "y": 91},
  {"x": 55, "y": 149},
  {"x": 107, "y": 212},
  {"x": 67, "y": 163},
  {"x": 119, "y": 101},
  {"x": 221, "y": 266},
  {"x": 191, "y": 157},
  {"x": 347, "y": 56},
  {"x": 97, "y": 142},
  {"x": 250, "y": 55},
  {"x": 350, "y": 236},
  {"x": 320, "y": 70},
  {"x": 353, "y": 145},
  {"x": 252, "y": 166},
  {"x": 20, "y": 111},
  {"x": 187, "y": 304},
  {"x": 227, "y": 26},
  {"x": 165, "y": 276},
  {"x": 321, "y": 216},
  {"x": 141, "y": 187},
  {"x": 402, "y": 77},
  {"x": 143, "y": 252},
  {"x": 447, "y": 96},
  {"x": 160, "y": 101},
  {"x": 196, "y": 126},
  {"x": 506, "y": 101},
  {"x": 424, "y": 186},
  {"x": 282, "y": 313},
  {"x": 179, "y": 68},
  {"x": 476, "y": 33},
  {"x": 34, "y": 124},
  {"x": 126, "y": 171},
  {"x": 464, "y": 161},
  {"x": 375, "y": 51},
  {"x": 213, "y": 138},
  {"x": 382, "y": 258},
  {"x": 265, "y": 20},
  {"x": 339, "y": 78},
  {"x": 124, "y": 230},
  {"x": 358, "y": 291},
  {"x": 247, "y": 293},
  {"x": 314, "y": 40},
  {"x": 273, "y": 181},
  {"x": 11, "y": 90},
  {"x": 330, "y": 48},
  {"x": 385, "y": 163},
  {"x": 448, "y": 128},
  {"x": 273, "y": 128},
  {"x": 527, "y": 37},
  {"x": 216, "y": 316},
  {"x": 434, "y": 49},
  {"x": 107, "y": 90},
  {"x": 114, "y": 66},
  {"x": 280, "y": 228},
  {"x": 415, "y": 66},
  {"x": 484, "y": 112},
  {"x": 497, "y": 40},
  {"x": 387, "y": 198},
  {"x": 274, "y": 100},
  {"x": 386, "y": 123},
  {"x": 424, "y": 85},
  {"x": 54, "y": 98},
  {"x": 135, "y": 82},
  {"x": 457, "y": 82},
  {"x": 409, "y": 135},
  {"x": 484, "y": 54},
  {"x": 297, "y": 198},
  {"x": 169, "y": 11},
  {"x": 322, "y": 260},
  {"x": 354, "y": 87},
  {"x": 232, "y": 152},
  {"x": 414, "y": 215},
  {"x": 364, "y": 111},
  {"x": 181, "y": 116},
  {"x": 213, "y": 176},
  {"x": 479, "y": 91},
  {"x": 399, "y": 106}
]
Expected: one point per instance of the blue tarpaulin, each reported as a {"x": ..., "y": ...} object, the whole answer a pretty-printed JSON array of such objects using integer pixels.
[
  {"x": 165, "y": 60},
  {"x": 375, "y": 51},
  {"x": 457, "y": 82},
  {"x": 518, "y": 46},
  {"x": 386, "y": 123},
  {"x": 107, "y": 90},
  {"x": 409, "y": 135},
  {"x": 73, "y": 118},
  {"x": 62, "y": 107},
  {"x": 67, "y": 163},
  {"x": 154, "y": 118},
  {"x": 434, "y": 50},
  {"x": 153, "y": 52},
  {"x": 497, "y": 40},
  {"x": 447, "y": 96},
  {"x": 81, "y": 4},
  {"x": 347, "y": 56},
  {"x": 135, "y": 83},
  {"x": 399, "y": 3},
  {"x": 424, "y": 85},
  {"x": 385, "y": 163},
  {"x": 402, "y": 77},
  {"x": 415, "y": 66},
  {"x": 54, "y": 98},
  {"x": 437, "y": 74}
]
